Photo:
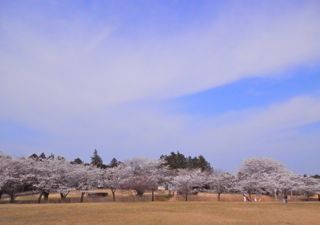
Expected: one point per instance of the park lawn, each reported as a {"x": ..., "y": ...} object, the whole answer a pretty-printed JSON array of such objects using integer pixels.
[
  {"x": 166, "y": 213},
  {"x": 129, "y": 196}
]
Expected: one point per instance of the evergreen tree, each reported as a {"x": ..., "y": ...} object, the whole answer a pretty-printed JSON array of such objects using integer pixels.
[
  {"x": 34, "y": 156},
  {"x": 179, "y": 161},
  {"x": 96, "y": 159},
  {"x": 51, "y": 156},
  {"x": 77, "y": 161},
  {"x": 42, "y": 156},
  {"x": 317, "y": 176},
  {"x": 114, "y": 163},
  {"x": 203, "y": 164},
  {"x": 175, "y": 160}
]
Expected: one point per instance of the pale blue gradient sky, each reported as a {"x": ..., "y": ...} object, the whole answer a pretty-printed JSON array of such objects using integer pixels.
[{"x": 226, "y": 79}]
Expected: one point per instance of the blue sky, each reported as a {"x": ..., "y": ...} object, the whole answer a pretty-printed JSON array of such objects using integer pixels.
[
  {"x": 252, "y": 92},
  {"x": 225, "y": 79}
]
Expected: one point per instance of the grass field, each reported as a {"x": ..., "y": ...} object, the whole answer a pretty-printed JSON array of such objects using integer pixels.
[
  {"x": 166, "y": 213},
  {"x": 129, "y": 196}
]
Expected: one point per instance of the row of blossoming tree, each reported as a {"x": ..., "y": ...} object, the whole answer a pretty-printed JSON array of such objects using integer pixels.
[{"x": 55, "y": 174}]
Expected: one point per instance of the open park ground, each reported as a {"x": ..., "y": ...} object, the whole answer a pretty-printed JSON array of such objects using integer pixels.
[{"x": 162, "y": 213}]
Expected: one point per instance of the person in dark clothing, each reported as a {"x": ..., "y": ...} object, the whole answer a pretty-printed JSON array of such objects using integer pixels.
[{"x": 285, "y": 199}]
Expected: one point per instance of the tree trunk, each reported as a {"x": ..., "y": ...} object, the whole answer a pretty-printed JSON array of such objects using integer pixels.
[
  {"x": 250, "y": 197},
  {"x": 275, "y": 194},
  {"x": 46, "y": 196},
  {"x": 152, "y": 193},
  {"x": 186, "y": 197},
  {"x": 285, "y": 197},
  {"x": 82, "y": 195},
  {"x": 0, "y": 194},
  {"x": 219, "y": 196},
  {"x": 12, "y": 197},
  {"x": 113, "y": 194},
  {"x": 40, "y": 196},
  {"x": 318, "y": 197},
  {"x": 62, "y": 196}
]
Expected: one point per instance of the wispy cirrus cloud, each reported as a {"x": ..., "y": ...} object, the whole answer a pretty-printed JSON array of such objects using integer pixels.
[
  {"x": 79, "y": 67},
  {"x": 102, "y": 77}
]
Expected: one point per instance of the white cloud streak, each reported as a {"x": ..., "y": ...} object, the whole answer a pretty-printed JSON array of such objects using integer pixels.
[
  {"x": 71, "y": 73},
  {"x": 82, "y": 83}
]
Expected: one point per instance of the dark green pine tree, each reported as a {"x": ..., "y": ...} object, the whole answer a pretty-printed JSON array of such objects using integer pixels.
[
  {"x": 96, "y": 160},
  {"x": 180, "y": 161},
  {"x": 175, "y": 160},
  {"x": 203, "y": 164},
  {"x": 114, "y": 163},
  {"x": 77, "y": 161},
  {"x": 42, "y": 156}
]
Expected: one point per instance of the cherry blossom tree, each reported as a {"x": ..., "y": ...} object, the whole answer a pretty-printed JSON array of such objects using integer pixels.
[
  {"x": 188, "y": 180},
  {"x": 55, "y": 174},
  {"x": 4, "y": 160},
  {"x": 141, "y": 174},
  {"x": 114, "y": 177},
  {"x": 259, "y": 175},
  {"x": 86, "y": 178},
  {"x": 59, "y": 175},
  {"x": 50, "y": 177},
  {"x": 308, "y": 186},
  {"x": 284, "y": 182},
  {"x": 221, "y": 182},
  {"x": 15, "y": 175},
  {"x": 158, "y": 175}
]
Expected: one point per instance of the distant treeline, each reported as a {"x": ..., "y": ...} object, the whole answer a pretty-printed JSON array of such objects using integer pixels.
[
  {"x": 175, "y": 172},
  {"x": 175, "y": 160}
]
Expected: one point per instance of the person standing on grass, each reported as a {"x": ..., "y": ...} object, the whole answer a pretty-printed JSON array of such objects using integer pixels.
[
  {"x": 244, "y": 198},
  {"x": 285, "y": 199}
]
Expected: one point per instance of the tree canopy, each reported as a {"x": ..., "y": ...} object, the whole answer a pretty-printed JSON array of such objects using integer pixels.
[
  {"x": 96, "y": 160},
  {"x": 180, "y": 161}
]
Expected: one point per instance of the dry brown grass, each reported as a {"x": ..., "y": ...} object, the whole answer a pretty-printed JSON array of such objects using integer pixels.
[
  {"x": 223, "y": 198},
  {"x": 166, "y": 213},
  {"x": 74, "y": 197},
  {"x": 129, "y": 196}
]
